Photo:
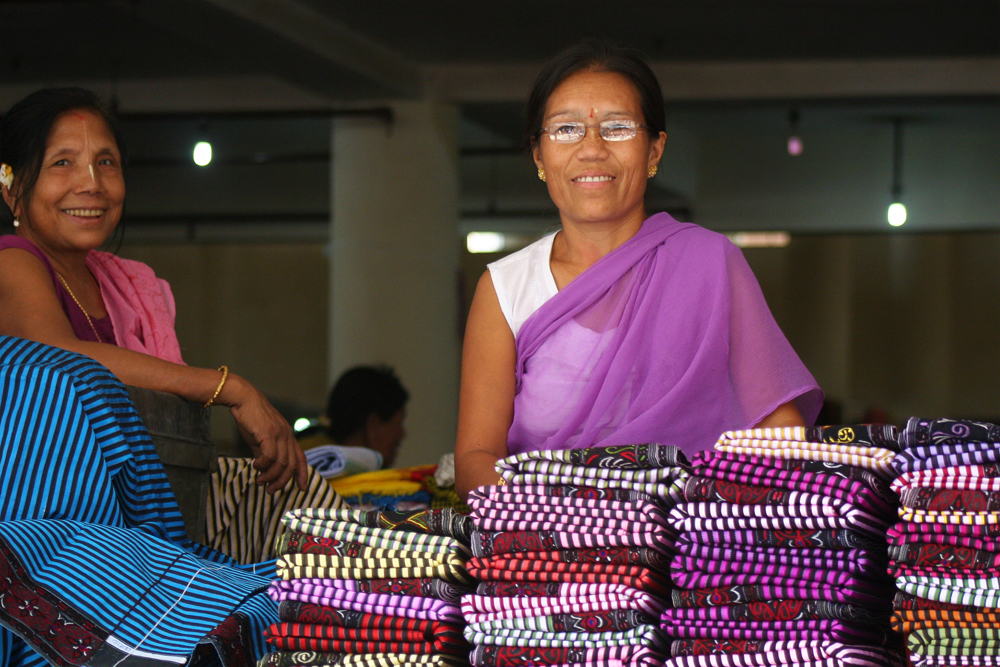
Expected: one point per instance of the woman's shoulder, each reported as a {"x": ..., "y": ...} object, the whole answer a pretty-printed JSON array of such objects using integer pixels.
[
  {"x": 15, "y": 241},
  {"x": 701, "y": 243},
  {"x": 533, "y": 253},
  {"x": 12, "y": 241}
]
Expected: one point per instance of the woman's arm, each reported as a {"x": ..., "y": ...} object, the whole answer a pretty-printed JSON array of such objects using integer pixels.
[
  {"x": 785, "y": 414},
  {"x": 486, "y": 398},
  {"x": 30, "y": 309}
]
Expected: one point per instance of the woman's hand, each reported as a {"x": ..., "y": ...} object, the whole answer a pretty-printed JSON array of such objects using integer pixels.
[{"x": 277, "y": 454}]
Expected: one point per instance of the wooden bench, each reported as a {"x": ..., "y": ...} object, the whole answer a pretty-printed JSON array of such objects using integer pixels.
[{"x": 181, "y": 433}]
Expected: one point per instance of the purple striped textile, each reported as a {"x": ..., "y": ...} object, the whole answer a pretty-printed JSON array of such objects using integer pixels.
[
  {"x": 705, "y": 489},
  {"x": 611, "y": 656},
  {"x": 736, "y": 653},
  {"x": 766, "y": 576},
  {"x": 977, "y": 536},
  {"x": 656, "y": 537},
  {"x": 927, "y": 457},
  {"x": 845, "y": 483},
  {"x": 319, "y": 591},
  {"x": 573, "y": 599},
  {"x": 512, "y": 508},
  {"x": 959, "y": 575},
  {"x": 975, "y": 477},
  {"x": 695, "y": 517},
  {"x": 863, "y": 593},
  {"x": 827, "y": 630},
  {"x": 907, "y": 544},
  {"x": 781, "y": 610},
  {"x": 835, "y": 539},
  {"x": 581, "y": 492},
  {"x": 717, "y": 560}
]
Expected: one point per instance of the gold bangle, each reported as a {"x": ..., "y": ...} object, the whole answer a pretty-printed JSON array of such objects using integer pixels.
[{"x": 225, "y": 376}]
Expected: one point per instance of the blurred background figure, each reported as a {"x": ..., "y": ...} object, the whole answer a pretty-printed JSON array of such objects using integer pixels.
[{"x": 364, "y": 420}]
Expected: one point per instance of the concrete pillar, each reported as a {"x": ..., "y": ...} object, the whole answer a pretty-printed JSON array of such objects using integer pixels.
[{"x": 394, "y": 262}]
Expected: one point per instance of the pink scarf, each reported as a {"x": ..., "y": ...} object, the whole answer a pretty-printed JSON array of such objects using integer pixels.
[{"x": 140, "y": 305}]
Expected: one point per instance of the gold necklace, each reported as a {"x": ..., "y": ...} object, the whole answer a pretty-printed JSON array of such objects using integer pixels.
[{"x": 80, "y": 306}]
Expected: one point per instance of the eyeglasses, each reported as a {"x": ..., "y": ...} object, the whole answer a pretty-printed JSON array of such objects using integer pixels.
[{"x": 610, "y": 130}]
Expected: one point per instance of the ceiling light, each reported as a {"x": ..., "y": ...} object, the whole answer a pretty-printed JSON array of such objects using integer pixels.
[
  {"x": 795, "y": 145},
  {"x": 897, "y": 214},
  {"x": 760, "y": 239},
  {"x": 485, "y": 242},
  {"x": 202, "y": 153}
]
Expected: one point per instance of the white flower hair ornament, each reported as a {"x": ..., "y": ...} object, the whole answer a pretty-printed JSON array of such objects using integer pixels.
[{"x": 6, "y": 175}]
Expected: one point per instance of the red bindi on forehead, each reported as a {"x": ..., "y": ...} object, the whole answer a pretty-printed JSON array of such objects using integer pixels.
[{"x": 76, "y": 115}]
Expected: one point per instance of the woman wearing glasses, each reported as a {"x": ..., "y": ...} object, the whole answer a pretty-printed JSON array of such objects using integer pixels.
[{"x": 619, "y": 328}]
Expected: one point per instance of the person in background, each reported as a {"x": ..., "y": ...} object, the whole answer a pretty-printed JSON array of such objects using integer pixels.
[{"x": 366, "y": 408}]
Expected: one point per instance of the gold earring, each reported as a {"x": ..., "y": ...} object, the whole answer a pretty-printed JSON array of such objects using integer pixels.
[
  {"x": 651, "y": 171},
  {"x": 541, "y": 174}
]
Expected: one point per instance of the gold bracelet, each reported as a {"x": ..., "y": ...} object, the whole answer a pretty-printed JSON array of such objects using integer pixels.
[{"x": 225, "y": 376}]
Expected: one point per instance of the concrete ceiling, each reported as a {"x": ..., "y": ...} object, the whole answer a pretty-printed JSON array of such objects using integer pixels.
[
  {"x": 330, "y": 51},
  {"x": 726, "y": 66}
]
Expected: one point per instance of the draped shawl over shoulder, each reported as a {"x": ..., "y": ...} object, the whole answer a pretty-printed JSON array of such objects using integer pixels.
[
  {"x": 140, "y": 306},
  {"x": 666, "y": 339}
]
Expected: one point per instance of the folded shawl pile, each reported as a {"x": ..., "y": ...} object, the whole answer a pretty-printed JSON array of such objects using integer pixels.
[
  {"x": 370, "y": 588},
  {"x": 402, "y": 489},
  {"x": 944, "y": 553},
  {"x": 781, "y": 550},
  {"x": 571, "y": 557}
]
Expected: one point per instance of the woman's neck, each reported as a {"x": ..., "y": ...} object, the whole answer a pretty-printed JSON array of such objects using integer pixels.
[{"x": 581, "y": 244}]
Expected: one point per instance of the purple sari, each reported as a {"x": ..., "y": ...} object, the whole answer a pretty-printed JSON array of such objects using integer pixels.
[{"x": 666, "y": 339}]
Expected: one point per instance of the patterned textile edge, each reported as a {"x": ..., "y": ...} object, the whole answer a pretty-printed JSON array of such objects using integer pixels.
[
  {"x": 231, "y": 641},
  {"x": 923, "y": 431},
  {"x": 67, "y": 638},
  {"x": 50, "y": 626},
  {"x": 644, "y": 456}
]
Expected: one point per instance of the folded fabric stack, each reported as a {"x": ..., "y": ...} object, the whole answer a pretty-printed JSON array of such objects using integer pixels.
[
  {"x": 945, "y": 554},
  {"x": 333, "y": 461},
  {"x": 782, "y": 549},
  {"x": 571, "y": 555},
  {"x": 370, "y": 589},
  {"x": 402, "y": 489}
]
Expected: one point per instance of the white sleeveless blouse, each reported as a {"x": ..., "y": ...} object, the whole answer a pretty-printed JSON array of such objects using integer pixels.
[{"x": 523, "y": 281}]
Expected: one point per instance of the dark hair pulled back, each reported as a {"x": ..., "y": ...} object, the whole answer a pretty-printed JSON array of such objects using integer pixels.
[
  {"x": 359, "y": 392},
  {"x": 596, "y": 55},
  {"x": 25, "y": 130}
]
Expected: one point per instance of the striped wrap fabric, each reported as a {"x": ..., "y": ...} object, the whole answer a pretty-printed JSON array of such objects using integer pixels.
[
  {"x": 945, "y": 552},
  {"x": 371, "y": 588},
  {"x": 571, "y": 556},
  {"x": 95, "y": 568},
  {"x": 781, "y": 550}
]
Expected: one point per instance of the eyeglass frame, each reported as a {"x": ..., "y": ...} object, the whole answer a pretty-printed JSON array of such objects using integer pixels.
[{"x": 545, "y": 131}]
